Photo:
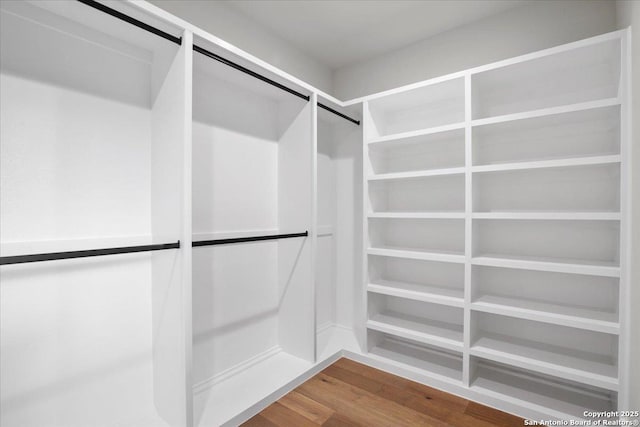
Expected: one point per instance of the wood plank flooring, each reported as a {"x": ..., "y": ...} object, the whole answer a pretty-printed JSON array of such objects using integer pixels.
[{"x": 349, "y": 394}]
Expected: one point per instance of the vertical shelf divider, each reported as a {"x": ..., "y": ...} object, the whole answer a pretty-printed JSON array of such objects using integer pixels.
[
  {"x": 171, "y": 217},
  {"x": 624, "y": 362},
  {"x": 366, "y": 208},
  {"x": 467, "y": 374}
]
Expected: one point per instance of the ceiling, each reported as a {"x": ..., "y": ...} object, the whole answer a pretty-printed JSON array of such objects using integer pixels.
[{"x": 341, "y": 33}]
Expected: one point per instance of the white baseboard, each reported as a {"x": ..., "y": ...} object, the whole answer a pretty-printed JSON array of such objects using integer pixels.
[{"x": 207, "y": 383}]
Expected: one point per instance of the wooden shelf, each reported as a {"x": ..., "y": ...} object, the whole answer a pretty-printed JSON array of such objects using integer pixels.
[
  {"x": 586, "y": 368},
  {"x": 522, "y": 389},
  {"x": 416, "y": 174},
  {"x": 434, "y": 294},
  {"x": 544, "y": 164},
  {"x": 553, "y": 265},
  {"x": 417, "y": 254},
  {"x": 417, "y": 215},
  {"x": 397, "y": 137},
  {"x": 582, "y": 106},
  {"x": 569, "y": 216},
  {"x": 436, "y": 333},
  {"x": 447, "y": 367},
  {"x": 577, "y": 317}
]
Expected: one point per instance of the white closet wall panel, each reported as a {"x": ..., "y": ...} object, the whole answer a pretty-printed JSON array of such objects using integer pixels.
[
  {"x": 171, "y": 205},
  {"x": 296, "y": 204},
  {"x": 76, "y": 343},
  {"x": 46, "y": 192},
  {"x": 348, "y": 230},
  {"x": 326, "y": 252}
]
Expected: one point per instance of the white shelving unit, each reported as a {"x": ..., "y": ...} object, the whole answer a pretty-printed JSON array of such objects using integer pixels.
[{"x": 526, "y": 159}]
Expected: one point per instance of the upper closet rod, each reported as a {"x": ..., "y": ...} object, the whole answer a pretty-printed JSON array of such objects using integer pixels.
[
  {"x": 338, "y": 113},
  {"x": 268, "y": 80},
  {"x": 178, "y": 40},
  {"x": 247, "y": 239},
  {"x": 245, "y": 70},
  {"x": 51, "y": 256},
  {"x": 96, "y": 5}
]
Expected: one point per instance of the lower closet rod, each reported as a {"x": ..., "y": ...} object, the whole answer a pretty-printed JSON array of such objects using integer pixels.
[
  {"x": 248, "y": 239},
  {"x": 21, "y": 259}
]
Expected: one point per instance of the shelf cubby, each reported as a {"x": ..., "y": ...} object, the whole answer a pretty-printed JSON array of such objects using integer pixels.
[
  {"x": 587, "y": 73},
  {"x": 586, "y": 302},
  {"x": 575, "y": 354},
  {"x": 440, "y": 283},
  {"x": 541, "y": 394},
  {"x": 441, "y": 364},
  {"x": 431, "y": 194},
  {"x": 584, "y": 133},
  {"x": 586, "y": 242},
  {"x": 430, "y": 235},
  {"x": 592, "y": 188},
  {"x": 432, "y": 324},
  {"x": 419, "y": 153},
  {"x": 427, "y": 107}
]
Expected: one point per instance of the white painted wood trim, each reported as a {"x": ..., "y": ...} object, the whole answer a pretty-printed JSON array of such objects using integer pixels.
[
  {"x": 206, "y": 384},
  {"x": 557, "y": 267},
  {"x": 544, "y": 112},
  {"x": 412, "y": 134}
]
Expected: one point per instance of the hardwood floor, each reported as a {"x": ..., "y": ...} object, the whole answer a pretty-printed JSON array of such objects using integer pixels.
[{"x": 348, "y": 394}]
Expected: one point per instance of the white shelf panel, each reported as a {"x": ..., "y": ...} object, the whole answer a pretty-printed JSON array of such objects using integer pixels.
[
  {"x": 417, "y": 215},
  {"x": 416, "y": 174},
  {"x": 577, "y": 317},
  {"x": 443, "y": 366},
  {"x": 422, "y": 132},
  {"x": 415, "y": 254},
  {"x": 434, "y": 294},
  {"x": 436, "y": 333},
  {"x": 540, "y": 395},
  {"x": 547, "y": 111},
  {"x": 576, "y": 366},
  {"x": 571, "y": 266},
  {"x": 545, "y": 164},
  {"x": 569, "y": 216}
]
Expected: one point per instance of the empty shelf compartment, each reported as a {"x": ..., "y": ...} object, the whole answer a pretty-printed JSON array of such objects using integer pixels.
[
  {"x": 435, "y": 151},
  {"x": 592, "y": 132},
  {"x": 427, "y": 235},
  {"x": 441, "y": 364},
  {"x": 583, "y": 242},
  {"x": 424, "y": 322},
  {"x": 428, "y": 194},
  {"x": 563, "y": 189},
  {"x": 587, "y": 302},
  {"x": 422, "y": 108},
  {"x": 575, "y": 354},
  {"x": 544, "y": 396},
  {"x": 427, "y": 281},
  {"x": 573, "y": 76}
]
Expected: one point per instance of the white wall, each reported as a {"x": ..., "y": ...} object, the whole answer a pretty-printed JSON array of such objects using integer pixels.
[
  {"x": 628, "y": 13},
  {"x": 517, "y": 31},
  {"x": 240, "y": 30}
]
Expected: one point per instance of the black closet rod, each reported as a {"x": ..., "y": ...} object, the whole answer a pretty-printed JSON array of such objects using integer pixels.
[
  {"x": 101, "y": 7},
  {"x": 268, "y": 80},
  {"x": 338, "y": 113},
  {"x": 178, "y": 40},
  {"x": 245, "y": 70},
  {"x": 247, "y": 239},
  {"x": 21, "y": 259}
]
